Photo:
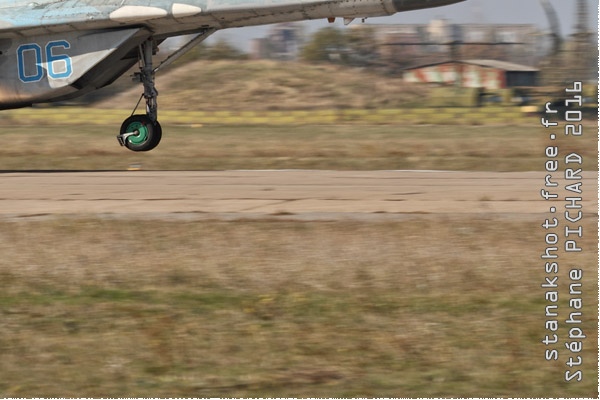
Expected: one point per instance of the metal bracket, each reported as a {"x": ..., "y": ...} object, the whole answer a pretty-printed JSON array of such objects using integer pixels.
[
  {"x": 200, "y": 37},
  {"x": 122, "y": 138}
]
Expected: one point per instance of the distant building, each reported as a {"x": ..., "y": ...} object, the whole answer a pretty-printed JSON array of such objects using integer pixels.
[
  {"x": 399, "y": 46},
  {"x": 418, "y": 44},
  {"x": 259, "y": 49},
  {"x": 283, "y": 42},
  {"x": 487, "y": 74}
]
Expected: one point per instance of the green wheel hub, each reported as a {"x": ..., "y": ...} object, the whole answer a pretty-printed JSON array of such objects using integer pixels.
[{"x": 142, "y": 135}]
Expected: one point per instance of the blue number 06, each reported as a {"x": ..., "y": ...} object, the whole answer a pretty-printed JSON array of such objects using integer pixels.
[{"x": 53, "y": 60}]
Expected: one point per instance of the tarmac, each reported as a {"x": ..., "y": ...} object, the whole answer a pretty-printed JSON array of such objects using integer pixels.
[{"x": 296, "y": 194}]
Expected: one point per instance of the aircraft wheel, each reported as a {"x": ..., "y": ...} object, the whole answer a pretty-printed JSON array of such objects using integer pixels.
[{"x": 148, "y": 133}]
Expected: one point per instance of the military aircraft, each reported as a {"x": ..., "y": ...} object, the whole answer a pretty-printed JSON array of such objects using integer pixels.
[{"x": 54, "y": 50}]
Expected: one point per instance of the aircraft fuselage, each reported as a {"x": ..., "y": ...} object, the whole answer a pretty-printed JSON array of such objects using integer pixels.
[{"x": 167, "y": 17}]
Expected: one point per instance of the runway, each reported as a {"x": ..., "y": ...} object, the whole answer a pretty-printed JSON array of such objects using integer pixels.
[{"x": 299, "y": 194}]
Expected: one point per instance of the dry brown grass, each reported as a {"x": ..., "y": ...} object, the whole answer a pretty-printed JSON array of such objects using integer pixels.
[
  {"x": 431, "y": 306},
  {"x": 492, "y": 148},
  {"x": 271, "y": 85}
]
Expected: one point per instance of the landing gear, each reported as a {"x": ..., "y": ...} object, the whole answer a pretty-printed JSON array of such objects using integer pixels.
[{"x": 143, "y": 132}]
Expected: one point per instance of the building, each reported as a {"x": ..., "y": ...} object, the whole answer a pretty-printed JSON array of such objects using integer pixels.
[
  {"x": 487, "y": 74},
  {"x": 283, "y": 42},
  {"x": 417, "y": 44}
]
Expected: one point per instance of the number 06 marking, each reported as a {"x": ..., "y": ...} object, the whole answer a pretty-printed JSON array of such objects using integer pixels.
[{"x": 59, "y": 65}]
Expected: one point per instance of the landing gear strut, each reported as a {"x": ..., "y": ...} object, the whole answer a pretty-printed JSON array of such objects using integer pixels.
[{"x": 142, "y": 132}]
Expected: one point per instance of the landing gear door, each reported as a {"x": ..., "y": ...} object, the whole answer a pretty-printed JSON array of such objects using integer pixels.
[{"x": 40, "y": 68}]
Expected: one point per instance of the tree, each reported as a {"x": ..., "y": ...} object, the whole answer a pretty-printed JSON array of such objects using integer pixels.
[
  {"x": 327, "y": 45},
  {"x": 221, "y": 50},
  {"x": 351, "y": 46},
  {"x": 362, "y": 47}
]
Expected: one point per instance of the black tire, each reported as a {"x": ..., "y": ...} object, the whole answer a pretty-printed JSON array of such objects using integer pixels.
[{"x": 149, "y": 133}]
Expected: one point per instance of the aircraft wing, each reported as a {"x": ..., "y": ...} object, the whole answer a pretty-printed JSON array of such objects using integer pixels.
[{"x": 168, "y": 17}]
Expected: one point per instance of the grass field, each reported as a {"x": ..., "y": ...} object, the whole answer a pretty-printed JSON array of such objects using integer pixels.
[
  {"x": 432, "y": 307},
  {"x": 435, "y": 306},
  {"x": 348, "y": 147}
]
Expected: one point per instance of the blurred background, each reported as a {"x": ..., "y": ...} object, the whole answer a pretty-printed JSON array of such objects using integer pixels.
[{"x": 402, "y": 305}]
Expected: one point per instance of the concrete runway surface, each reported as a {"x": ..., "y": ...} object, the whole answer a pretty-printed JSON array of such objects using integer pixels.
[{"x": 298, "y": 194}]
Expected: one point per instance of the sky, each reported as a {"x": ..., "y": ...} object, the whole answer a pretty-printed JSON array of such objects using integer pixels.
[{"x": 470, "y": 11}]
